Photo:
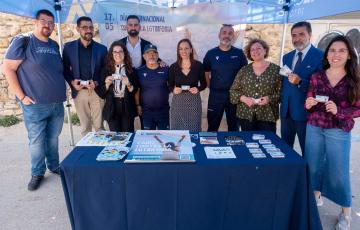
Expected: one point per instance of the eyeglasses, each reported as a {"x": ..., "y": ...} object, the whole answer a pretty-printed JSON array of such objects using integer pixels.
[
  {"x": 118, "y": 52},
  {"x": 87, "y": 27},
  {"x": 340, "y": 51},
  {"x": 44, "y": 22}
]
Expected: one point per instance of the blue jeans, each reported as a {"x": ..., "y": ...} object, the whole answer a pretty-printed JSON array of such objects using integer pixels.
[
  {"x": 44, "y": 124},
  {"x": 327, "y": 152},
  {"x": 155, "y": 120}
]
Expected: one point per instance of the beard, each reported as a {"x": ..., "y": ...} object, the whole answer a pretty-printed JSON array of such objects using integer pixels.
[
  {"x": 87, "y": 37},
  {"x": 133, "y": 33},
  {"x": 300, "y": 45},
  {"x": 46, "y": 32}
]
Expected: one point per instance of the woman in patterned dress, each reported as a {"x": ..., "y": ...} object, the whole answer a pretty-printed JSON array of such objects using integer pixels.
[
  {"x": 333, "y": 101},
  {"x": 256, "y": 90},
  {"x": 186, "y": 80}
]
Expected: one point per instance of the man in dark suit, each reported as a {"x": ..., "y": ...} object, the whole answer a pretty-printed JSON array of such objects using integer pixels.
[
  {"x": 83, "y": 60},
  {"x": 303, "y": 61}
]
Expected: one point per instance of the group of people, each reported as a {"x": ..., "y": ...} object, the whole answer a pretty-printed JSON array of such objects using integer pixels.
[{"x": 318, "y": 99}]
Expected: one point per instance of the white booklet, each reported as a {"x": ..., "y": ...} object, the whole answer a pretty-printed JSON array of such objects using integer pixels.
[{"x": 224, "y": 152}]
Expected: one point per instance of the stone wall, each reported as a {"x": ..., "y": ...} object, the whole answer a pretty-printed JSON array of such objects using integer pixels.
[{"x": 12, "y": 25}]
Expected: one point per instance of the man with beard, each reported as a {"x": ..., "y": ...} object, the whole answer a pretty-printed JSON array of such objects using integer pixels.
[
  {"x": 304, "y": 61},
  {"x": 153, "y": 94},
  {"x": 134, "y": 44},
  {"x": 221, "y": 65},
  {"x": 34, "y": 71},
  {"x": 83, "y": 60}
]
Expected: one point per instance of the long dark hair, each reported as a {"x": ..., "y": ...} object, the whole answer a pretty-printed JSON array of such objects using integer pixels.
[
  {"x": 179, "y": 59},
  {"x": 351, "y": 67},
  {"x": 110, "y": 63}
]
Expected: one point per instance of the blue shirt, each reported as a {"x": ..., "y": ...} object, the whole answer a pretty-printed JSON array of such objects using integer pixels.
[
  {"x": 40, "y": 75},
  {"x": 154, "y": 91},
  {"x": 224, "y": 65}
]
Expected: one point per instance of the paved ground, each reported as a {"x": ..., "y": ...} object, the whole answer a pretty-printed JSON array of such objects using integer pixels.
[{"x": 45, "y": 208}]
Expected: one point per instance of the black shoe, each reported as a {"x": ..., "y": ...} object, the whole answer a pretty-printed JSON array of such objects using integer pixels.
[
  {"x": 35, "y": 182},
  {"x": 56, "y": 171}
]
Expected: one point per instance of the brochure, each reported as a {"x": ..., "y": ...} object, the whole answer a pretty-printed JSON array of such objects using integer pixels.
[
  {"x": 112, "y": 153},
  {"x": 158, "y": 146},
  {"x": 219, "y": 152},
  {"x": 209, "y": 141},
  {"x": 105, "y": 138}
]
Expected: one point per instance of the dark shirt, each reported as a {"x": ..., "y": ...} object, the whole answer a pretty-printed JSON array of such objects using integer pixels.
[
  {"x": 154, "y": 91},
  {"x": 193, "y": 78},
  {"x": 85, "y": 54},
  {"x": 224, "y": 65},
  {"x": 346, "y": 112}
]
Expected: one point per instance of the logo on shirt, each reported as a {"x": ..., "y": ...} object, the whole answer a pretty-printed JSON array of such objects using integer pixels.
[
  {"x": 217, "y": 57},
  {"x": 232, "y": 57},
  {"x": 160, "y": 72},
  {"x": 145, "y": 74}
]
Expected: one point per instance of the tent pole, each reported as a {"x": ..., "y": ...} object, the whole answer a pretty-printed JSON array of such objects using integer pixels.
[
  {"x": 57, "y": 7},
  {"x": 286, "y": 9}
]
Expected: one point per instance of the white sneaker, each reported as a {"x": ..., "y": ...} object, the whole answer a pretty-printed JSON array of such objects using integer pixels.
[
  {"x": 343, "y": 222},
  {"x": 319, "y": 201}
]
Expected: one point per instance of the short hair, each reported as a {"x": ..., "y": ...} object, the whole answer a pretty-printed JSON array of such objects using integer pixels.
[
  {"x": 252, "y": 42},
  {"x": 307, "y": 25},
  {"x": 132, "y": 16},
  {"x": 226, "y": 25},
  {"x": 83, "y": 18},
  {"x": 44, "y": 11}
]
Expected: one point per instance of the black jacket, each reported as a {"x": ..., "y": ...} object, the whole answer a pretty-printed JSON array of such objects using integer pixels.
[{"x": 108, "y": 95}]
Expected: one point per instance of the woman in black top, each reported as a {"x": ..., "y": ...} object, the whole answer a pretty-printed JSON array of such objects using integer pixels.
[
  {"x": 118, "y": 86},
  {"x": 186, "y": 80}
]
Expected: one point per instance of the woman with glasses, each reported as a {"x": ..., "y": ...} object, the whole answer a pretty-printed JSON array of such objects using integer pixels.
[
  {"x": 333, "y": 101},
  {"x": 118, "y": 86},
  {"x": 256, "y": 90},
  {"x": 186, "y": 80}
]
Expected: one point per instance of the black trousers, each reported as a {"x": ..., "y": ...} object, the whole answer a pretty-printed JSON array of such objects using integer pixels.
[
  {"x": 121, "y": 121},
  {"x": 257, "y": 125}
]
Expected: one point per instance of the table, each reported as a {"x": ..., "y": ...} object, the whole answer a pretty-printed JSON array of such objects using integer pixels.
[{"x": 242, "y": 193}]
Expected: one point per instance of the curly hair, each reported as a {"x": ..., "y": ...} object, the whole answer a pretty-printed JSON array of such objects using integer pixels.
[
  {"x": 247, "y": 48},
  {"x": 110, "y": 62}
]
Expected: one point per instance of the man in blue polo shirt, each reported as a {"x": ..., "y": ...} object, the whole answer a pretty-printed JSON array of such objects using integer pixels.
[
  {"x": 34, "y": 71},
  {"x": 221, "y": 65},
  {"x": 152, "y": 100}
]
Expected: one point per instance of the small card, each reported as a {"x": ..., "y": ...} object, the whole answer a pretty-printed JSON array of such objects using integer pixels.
[
  {"x": 252, "y": 145},
  {"x": 209, "y": 141},
  {"x": 258, "y": 155},
  {"x": 116, "y": 76},
  {"x": 266, "y": 146},
  {"x": 255, "y": 150},
  {"x": 208, "y": 134},
  {"x": 84, "y": 83},
  {"x": 285, "y": 71},
  {"x": 277, "y": 155},
  {"x": 258, "y": 136},
  {"x": 321, "y": 99},
  {"x": 234, "y": 140},
  {"x": 185, "y": 87},
  {"x": 265, "y": 141}
]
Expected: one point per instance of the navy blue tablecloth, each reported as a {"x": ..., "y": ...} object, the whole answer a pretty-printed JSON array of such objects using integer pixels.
[{"x": 242, "y": 193}]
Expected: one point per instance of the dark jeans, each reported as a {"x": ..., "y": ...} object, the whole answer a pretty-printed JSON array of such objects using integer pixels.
[
  {"x": 257, "y": 125},
  {"x": 121, "y": 121},
  {"x": 290, "y": 128},
  {"x": 155, "y": 120}
]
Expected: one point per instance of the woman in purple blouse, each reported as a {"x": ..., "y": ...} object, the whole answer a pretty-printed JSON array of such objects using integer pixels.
[{"x": 333, "y": 101}]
